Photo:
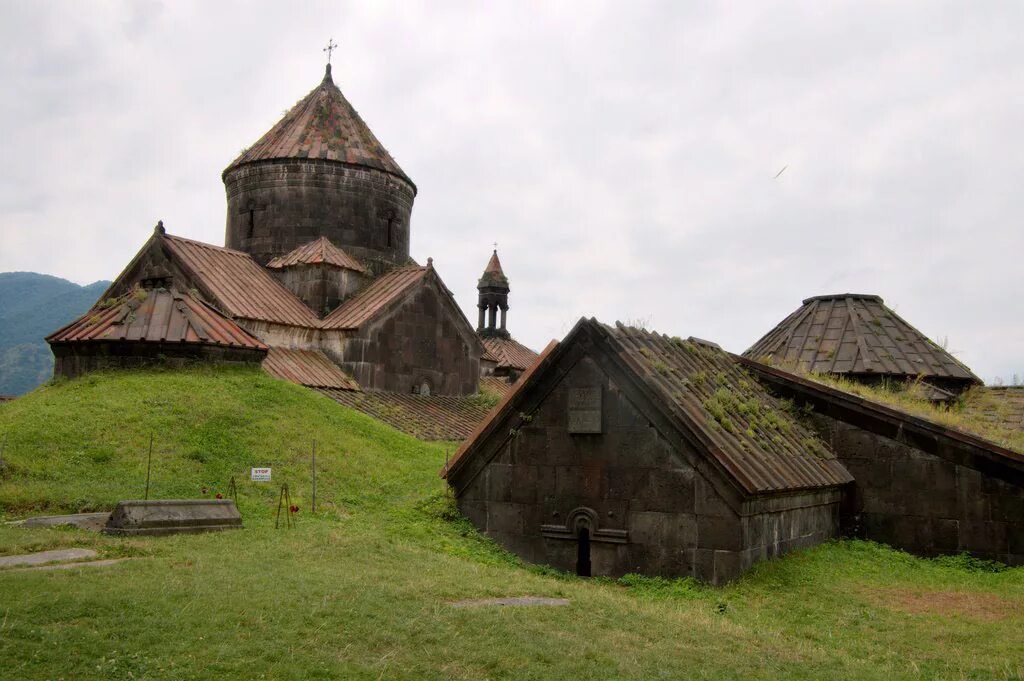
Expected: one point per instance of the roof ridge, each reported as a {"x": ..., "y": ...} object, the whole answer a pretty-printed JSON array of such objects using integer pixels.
[{"x": 204, "y": 244}]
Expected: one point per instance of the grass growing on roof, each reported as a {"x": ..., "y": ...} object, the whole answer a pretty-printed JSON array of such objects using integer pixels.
[
  {"x": 966, "y": 414},
  {"x": 361, "y": 589}
]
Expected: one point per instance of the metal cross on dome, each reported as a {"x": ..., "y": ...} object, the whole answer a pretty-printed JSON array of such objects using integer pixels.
[{"x": 331, "y": 45}]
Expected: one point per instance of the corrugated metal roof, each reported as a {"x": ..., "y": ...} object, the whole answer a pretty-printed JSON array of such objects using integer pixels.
[
  {"x": 239, "y": 285},
  {"x": 433, "y": 417},
  {"x": 323, "y": 125},
  {"x": 156, "y": 315},
  {"x": 508, "y": 352},
  {"x": 730, "y": 415},
  {"x": 852, "y": 333},
  {"x": 317, "y": 251},
  {"x": 374, "y": 298},
  {"x": 311, "y": 368}
]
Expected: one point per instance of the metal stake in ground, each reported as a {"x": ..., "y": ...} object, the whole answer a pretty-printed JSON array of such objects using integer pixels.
[
  {"x": 284, "y": 499},
  {"x": 149, "y": 465},
  {"x": 233, "y": 490}
]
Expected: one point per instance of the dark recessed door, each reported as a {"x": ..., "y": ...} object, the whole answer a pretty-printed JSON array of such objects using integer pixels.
[{"x": 583, "y": 552}]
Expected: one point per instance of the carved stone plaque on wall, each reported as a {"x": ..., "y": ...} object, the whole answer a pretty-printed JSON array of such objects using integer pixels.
[{"x": 585, "y": 410}]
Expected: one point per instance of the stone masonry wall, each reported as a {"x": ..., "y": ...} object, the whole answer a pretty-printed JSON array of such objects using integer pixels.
[
  {"x": 75, "y": 359},
  {"x": 321, "y": 287},
  {"x": 922, "y": 503},
  {"x": 420, "y": 340},
  {"x": 651, "y": 512},
  {"x": 276, "y": 206}
]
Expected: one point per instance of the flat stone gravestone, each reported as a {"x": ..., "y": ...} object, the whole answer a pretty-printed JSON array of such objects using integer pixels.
[{"x": 173, "y": 516}]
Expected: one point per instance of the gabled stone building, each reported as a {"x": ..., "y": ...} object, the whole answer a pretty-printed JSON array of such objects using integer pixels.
[{"x": 626, "y": 451}]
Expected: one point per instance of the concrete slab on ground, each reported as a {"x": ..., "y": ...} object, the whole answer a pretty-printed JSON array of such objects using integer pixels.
[
  {"x": 71, "y": 566},
  {"x": 85, "y": 521},
  {"x": 42, "y": 557},
  {"x": 518, "y": 601}
]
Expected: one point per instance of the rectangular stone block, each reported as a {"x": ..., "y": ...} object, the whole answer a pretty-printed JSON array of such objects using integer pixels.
[{"x": 173, "y": 516}]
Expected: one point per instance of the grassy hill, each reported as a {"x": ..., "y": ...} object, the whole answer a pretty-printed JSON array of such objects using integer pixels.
[
  {"x": 362, "y": 588},
  {"x": 32, "y": 306}
]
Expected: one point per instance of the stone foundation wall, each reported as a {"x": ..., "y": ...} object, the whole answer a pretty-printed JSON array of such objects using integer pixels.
[
  {"x": 923, "y": 503},
  {"x": 75, "y": 359},
  {"x": 276, "y": 206}
]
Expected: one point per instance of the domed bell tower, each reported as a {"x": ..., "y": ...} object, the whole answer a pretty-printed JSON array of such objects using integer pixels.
[
  {"x": 493, "y": 300},
  {"x": 320, "y": 172}
]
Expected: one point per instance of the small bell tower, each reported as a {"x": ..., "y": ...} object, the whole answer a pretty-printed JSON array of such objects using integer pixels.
[{"x": 493, "y": 288}]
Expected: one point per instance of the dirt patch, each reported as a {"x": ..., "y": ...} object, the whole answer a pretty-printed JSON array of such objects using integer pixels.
[{"x": 974, "y": 605}]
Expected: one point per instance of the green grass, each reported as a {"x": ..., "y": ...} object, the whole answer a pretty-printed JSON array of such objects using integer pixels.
[{"x": 361, "y": 590}]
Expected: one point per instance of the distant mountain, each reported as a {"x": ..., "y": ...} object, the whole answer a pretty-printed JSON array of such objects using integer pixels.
[{"x": 32, "y": 306}]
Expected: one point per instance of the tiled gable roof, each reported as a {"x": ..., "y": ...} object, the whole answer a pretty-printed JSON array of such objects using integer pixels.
[
  {"x": 855, "y": 334},
  {"x": 238, "y": 284},
  {"x": 315, "y": 252},
  {"x": 156, "y": 316},
  {"x": 377, "y": 295},
  {"x": 508, "y": 352},
  {"x": 323, "y": 125},
  {"x": 427, "y": 417},
  {"x": 311, "y": 368},
  {"x": 704, "y": 390}
]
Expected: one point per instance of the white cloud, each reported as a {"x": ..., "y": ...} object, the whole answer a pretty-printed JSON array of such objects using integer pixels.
[{"x": 623, "y": 156}]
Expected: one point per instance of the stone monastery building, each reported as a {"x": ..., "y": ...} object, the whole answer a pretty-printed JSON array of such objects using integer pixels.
[
  {"x": 315, "y": 281},
  {"x": 617, "y": 450}
]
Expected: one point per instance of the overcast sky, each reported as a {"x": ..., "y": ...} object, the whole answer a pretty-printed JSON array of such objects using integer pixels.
[{"x": 625, "y": 156}]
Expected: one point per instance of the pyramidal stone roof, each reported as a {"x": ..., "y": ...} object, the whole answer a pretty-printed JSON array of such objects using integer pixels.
[
  {"x": 315, "y": 252},
  {"x": 493, "y": 274},
  {"x": 323, "y": 125},
  {"x": 852, "y": 333}
]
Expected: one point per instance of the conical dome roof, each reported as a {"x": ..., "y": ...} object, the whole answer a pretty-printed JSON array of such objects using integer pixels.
[
  {"x": 323, "y": 125},
  {"x": 856, "y": 334},
  {"x": 493, "y": 274}
]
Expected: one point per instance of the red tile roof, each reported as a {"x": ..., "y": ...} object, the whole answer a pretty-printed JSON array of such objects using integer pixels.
[
  {"x": 851, "y": 333},
  {"x": 157, "y": 315},
  {"x": 508, "y": 352},
  {"x": 703, "y": 389},
  {"x": 374, "y": 298},
  {"x": 311, "y": 368},
  {"x": 317, "y": 251},
  {"x": 433, "y": 417},
  {"x": 323, "y": 125},
  {"x": 238, "y": 284}
]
